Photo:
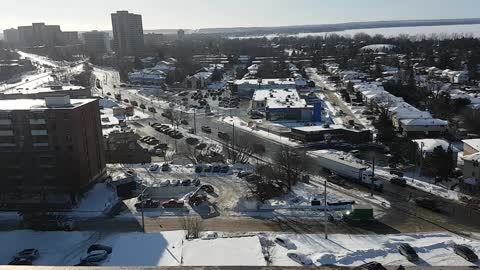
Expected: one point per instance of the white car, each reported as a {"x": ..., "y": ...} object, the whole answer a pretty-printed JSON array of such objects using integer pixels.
[
  {"x": 300, "y": 258},
  {"x": 210, "y": 235},
  {"x": 165, "y": 183},
  {"x": 175, "y": 182},
  {"x": 284, "y": 242}
]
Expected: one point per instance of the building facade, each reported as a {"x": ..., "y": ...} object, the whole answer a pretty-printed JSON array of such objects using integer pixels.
[
  {"x": 96, "y": 41},
  {"x": 51, "y": 151},
  {"x": 127, "y": 33},
  {"x": 11, "y": 36}
]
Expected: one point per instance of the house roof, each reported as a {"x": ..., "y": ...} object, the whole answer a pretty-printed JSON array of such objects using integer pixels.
[
  {"x": 430, "y": 144},
  {"x": 474, "y": 143}
]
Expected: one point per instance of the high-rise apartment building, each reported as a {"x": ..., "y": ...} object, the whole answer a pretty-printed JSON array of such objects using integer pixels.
[
  {"x": 96, "y": 41},
  {"x": 127, "y": 33},
  {"x": 11, "y": 36},
  {"x": 51, "y": 150}
]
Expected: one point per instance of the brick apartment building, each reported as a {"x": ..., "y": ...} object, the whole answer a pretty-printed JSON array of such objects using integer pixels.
[{"x": 51, "y": 150}]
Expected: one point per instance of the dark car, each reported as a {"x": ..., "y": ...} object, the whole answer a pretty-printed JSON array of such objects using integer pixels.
[
  {"x": 31, "y": 254},
  {"x": 208, "y": 188},
  {"x": 224, "y": 169},
  {"x": 165, "y": 167},
  {"x": 243, "y": 174},
  {"x": 207, "y": 169},
  {"x": 466, "y": 253},
  {"x": 186, "y": 182},
  {"x": 399, "y": 181},
  {"x": 20, "y": 261},
  {"x": 99, "y": 247},
  {"x": 206, "y": 129},
  {"x": 198, "y": 169},
  {"x": 184, "y": 122},
  {"x": 172, "y": 204},
  {"x": 148, "y": 203},
  {"x": 216, "y": 169},
  {"x": 196, "y": 182},
  {"x": 408, "y": 251}
]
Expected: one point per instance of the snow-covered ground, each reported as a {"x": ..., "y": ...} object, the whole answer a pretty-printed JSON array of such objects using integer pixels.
[
  {"x": 434, "y": 249},
  {"x": 171, "y": 249},
  {"x": 101, "y": 198},
  {"x": 242, "y": 251}
]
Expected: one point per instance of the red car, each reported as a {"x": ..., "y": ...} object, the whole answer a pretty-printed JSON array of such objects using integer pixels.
[{"x": 172, "y": 204}]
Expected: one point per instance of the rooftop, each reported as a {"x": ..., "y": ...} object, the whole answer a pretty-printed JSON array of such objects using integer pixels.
[
  {"x": 430, "y": 144},
  {"x": 38, "y": 104},
  {"x": 474, "y": 143},
  {"x": 279, "y": 98},
  {"x": 42, "y": 89}
]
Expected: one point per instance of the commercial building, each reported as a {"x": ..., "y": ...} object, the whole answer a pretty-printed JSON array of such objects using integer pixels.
[
  {"x": 154, "y": 39},
  {"x": 246, "y": 87},
  {"x": 95, "y": 41},
  {"x": 127, "y": 33},
  {"x": 51, "y": 151},
  {"x": 283, "y": 104}
]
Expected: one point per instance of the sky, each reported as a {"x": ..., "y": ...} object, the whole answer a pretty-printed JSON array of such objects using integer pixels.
[{"x": 83, "y": 15}]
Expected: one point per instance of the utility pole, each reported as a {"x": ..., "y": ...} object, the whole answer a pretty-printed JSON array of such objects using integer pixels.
[
  {"x": 233, "y": 136},
  {"x": 194, "y": 120},
  {"x": 373, "y": 177},
  {"x": 325, "y": 208}
]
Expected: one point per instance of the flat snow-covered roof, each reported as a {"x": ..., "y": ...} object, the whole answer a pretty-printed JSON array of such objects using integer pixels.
[{"x": 38, "y": 104}]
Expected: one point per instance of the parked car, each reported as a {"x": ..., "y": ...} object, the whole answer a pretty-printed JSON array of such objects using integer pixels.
[
  {"x": 165, "y": 167},
  {"x": 300, "y": 258},
  {"x": 465, "y": 252},
  {"x": 209, "y": 235},
  {"x": 399, "y": 181},
  {"x": 198, "y": 169},
  {"x": 172, "y": 204},
  {"x": 153, "y": 167},
  {"x": 396, "y": 172},
  {"x": 95, "y": 256},
  {"x": 243, "y": 174},
  {"x": 206, "y": 129},
  {"x": 408, "y": 251},
  {"x": 165, "y": 183},
  {"x": 20, "y": 261},
  {"x": 186, "y": 182},
  {"x": 31, "y": 254},
  {"x": 224, "y": 169},
  {"x": 175, "y": 182},
  {"x": 99, "y": 247},
  {"x": 196, "y": 182},
  {"x": 284, "y": 242},
  {"x": 148, "y": 203},
  {"x": 184, "y": 122},
  {"x": 216, "y": 169},
  {"x": 208, "y": 188}
]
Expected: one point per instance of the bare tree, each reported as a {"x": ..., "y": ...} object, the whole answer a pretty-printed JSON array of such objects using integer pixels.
[
  {"x": 240, "y": 152},
  {"x": 290, "y": 163},
  {"x": 193, "y": 226},
  {"x": 189, "y": 152}
]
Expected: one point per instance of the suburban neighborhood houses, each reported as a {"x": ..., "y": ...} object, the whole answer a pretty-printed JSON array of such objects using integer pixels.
[{"x": 246, "y": 147}]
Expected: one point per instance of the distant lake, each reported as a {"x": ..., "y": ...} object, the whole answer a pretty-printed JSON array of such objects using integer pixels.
[{"x": 442, "y": 32}]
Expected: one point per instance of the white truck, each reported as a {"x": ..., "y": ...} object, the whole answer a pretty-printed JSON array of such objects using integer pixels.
[{"x": 351, "y": 170}]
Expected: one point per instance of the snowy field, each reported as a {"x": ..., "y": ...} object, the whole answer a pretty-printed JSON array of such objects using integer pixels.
[{"x": 171, "y": 249}]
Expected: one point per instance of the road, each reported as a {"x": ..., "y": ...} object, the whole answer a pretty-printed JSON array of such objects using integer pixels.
[{"x": 454, "y": 217}]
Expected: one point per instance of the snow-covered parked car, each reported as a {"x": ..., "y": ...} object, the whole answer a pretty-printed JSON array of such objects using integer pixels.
[
  {"x": 284, "y": 242},
  {"x": 300, "y": 258}
]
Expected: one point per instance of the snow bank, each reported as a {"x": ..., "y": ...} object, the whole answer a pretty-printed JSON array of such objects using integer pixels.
[{"x": 244, "y": 251}]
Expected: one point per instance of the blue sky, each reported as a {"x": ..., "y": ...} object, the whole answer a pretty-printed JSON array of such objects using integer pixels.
[{"x": 88, "y": 14}]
